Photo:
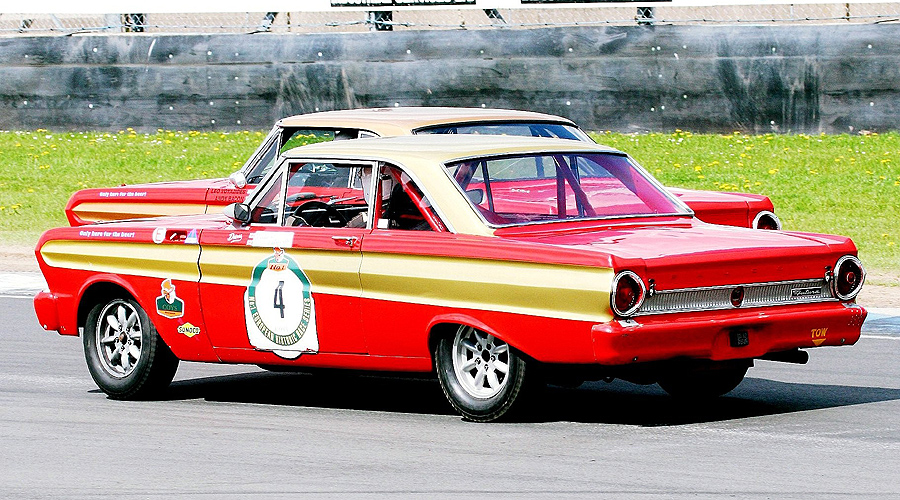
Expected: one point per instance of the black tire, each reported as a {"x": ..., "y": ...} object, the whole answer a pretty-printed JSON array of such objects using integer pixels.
[
  {"x": 704, "y": 382},
  {"x": 489, "y": 401},
  {"x": 130, "y": 360}
]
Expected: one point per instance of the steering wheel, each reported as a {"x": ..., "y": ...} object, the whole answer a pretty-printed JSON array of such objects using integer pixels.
[{"x": 318, "y": 214}]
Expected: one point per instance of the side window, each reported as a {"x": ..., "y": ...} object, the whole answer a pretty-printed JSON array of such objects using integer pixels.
[
  {"x": 269, "y": 205},
  {"x": 402, "y": 205},
  {"x": 316, "y": 194},
  {"x": 265, "y": 160},
  {"x": 289, "y": 138}
]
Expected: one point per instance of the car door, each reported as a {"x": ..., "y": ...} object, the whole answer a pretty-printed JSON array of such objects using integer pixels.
[
  {"x": 288, "y": 282},
  {"x": 405, "y": 268}
]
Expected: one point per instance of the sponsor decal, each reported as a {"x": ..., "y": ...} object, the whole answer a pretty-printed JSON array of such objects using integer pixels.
[
  {"x": 279, "y": 308},
  {"x": 818, "y": 336},
  {"x": 188, "y": 330},
  {"x": 122, "y": 194},
  {"x": 271, "y": 239},
  {"x": 228, "y": 195},
  {"x": 401, "y": 3},
  {"x": 168, "y": 304},
  {"x": 159, "y": 235},
  {"x": 192, "y": 238},
  {"x": 235, "y": 237},
  {"x": 106, "y": 234}
]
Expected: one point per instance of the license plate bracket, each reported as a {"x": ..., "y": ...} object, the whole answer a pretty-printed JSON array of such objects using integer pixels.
[{"x": 739, "y": 338}]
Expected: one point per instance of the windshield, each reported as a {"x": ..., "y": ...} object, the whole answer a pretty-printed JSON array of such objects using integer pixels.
[
  {"x": 551, "y": 187},
  {"x": 518, "y": 129}
]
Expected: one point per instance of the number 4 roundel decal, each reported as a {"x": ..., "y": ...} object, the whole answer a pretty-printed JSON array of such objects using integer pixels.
[{"x": 279, "y": 308}]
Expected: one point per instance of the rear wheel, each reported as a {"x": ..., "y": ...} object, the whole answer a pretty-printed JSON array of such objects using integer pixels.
[
  {"x": 704, "y": 381},
  {"x": 482, "y": 376},
  {"x": 124, "y": 353}
]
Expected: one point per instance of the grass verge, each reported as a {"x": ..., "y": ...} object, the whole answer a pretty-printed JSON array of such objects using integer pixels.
[{"x": 839, "y": 184}]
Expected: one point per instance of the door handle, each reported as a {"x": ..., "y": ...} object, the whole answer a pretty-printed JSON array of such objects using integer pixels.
[{"x": 346, "y": 240}]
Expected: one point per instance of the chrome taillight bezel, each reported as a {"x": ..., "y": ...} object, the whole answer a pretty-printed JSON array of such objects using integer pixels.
[
  {"x": 835, "y": 277},
  {"x": 642, "y": 289},
  {"x": 765, "y": 214}
]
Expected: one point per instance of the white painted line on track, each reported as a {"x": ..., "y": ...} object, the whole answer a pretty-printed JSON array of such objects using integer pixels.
[{"x": 21, "y": 283}]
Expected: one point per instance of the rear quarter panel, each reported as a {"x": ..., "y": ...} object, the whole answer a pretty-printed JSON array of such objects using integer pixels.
[{"x": 80, "y": 262}]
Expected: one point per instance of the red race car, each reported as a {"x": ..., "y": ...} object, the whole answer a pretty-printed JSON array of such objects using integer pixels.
[
  {"x": 211, "y": 195},
  {"x": 497, "y": 263}
]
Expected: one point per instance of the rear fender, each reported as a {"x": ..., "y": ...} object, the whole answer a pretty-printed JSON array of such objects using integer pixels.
[
  {"x": 447, "y": 324},
  {"x": 100, "y": 287}
]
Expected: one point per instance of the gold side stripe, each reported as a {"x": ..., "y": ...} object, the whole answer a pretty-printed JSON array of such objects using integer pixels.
[
  {"x": 94, "y": 212},
  {"x": 333, "y": 272},
  {"x": 553, "y": 291},
  {"x": 138, "y": 259}
]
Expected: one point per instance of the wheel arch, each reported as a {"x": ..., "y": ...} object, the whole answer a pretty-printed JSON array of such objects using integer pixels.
[
  {"x": 99, "y": 290},
  {"x": 446, "y": 325}
]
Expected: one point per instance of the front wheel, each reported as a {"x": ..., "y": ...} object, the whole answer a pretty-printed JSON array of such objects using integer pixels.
[
  {"x": 125, "y": 355},
  {"x": 482, "y": 376}
]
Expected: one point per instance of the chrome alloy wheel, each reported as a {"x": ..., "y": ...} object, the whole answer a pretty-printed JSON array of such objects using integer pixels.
[
  {"x": 481, "y": 362},
  {"x": 119, "y": 338}
]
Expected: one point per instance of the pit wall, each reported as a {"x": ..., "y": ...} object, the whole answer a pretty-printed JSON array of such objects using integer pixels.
[{"x": 810, "y": 79}]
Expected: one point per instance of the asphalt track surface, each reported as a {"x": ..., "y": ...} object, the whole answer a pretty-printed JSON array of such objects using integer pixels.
[{"x": 829, "y": 429}]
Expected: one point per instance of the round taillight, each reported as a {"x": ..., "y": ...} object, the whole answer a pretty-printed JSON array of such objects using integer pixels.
[
  {"x": 627, "y": 293},
  {"x": 766, "y": 220},
  {"x": 737, "y": 296},
  {"x": 848, "y": 277}
]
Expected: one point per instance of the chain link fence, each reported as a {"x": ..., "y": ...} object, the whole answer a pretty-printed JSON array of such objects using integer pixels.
[{"x": 430, "y": 19}]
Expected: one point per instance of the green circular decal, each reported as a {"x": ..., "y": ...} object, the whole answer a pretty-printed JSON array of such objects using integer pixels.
[{"x": 279, "y": 299}]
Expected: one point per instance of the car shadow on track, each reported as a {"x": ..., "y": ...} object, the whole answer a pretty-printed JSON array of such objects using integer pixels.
[
  {"x": 339, "y": 390},
  {"x": 594, "y": 402},
  {"x": 628, "y": 404}
]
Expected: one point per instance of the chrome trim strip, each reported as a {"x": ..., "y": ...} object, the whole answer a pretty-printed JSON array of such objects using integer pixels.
[{"x": 718, "y": 298}]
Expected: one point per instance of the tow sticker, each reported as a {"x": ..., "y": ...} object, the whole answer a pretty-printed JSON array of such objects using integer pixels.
[
  {"x": 168, "y": 304},
  {"x": 279, "y": 309},
  {"x": 818, "y": 336}
]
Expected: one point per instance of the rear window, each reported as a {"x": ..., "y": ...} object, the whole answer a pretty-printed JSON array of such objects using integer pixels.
[{"x": 553, "y": 187}]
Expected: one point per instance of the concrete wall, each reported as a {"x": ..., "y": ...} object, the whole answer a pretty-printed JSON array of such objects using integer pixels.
[{"x": 833, "y": 79}]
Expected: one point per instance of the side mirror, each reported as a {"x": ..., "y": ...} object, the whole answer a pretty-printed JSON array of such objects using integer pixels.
[
  {"x": 238, "y": 179},
  {"x": 239, "y": 212}
]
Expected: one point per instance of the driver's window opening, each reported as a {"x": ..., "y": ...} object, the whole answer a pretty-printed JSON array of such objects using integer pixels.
[
  {"x": 317, "y": 194},
  {"x": 400, "y": 203}
]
